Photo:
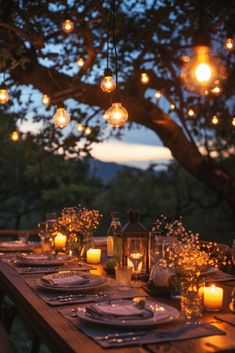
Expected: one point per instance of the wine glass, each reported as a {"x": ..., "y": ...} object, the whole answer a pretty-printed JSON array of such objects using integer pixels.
[
  {"x": 51, "y": 225},
  {"x": 136, "y": 256}
]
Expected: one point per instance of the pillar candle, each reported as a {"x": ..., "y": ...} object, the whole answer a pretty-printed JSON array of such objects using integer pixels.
[
  {"x": 60, "y": 241},
  {"x": 213, "y": 298},
  {"x": 93, "y": 256}
]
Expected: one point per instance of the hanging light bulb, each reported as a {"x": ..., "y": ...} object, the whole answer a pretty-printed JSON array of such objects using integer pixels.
[
  {"x": 80, "y": 61},
  {"x": 4, "y": 96},
  {"x": 191, "y": 113},
  {"x": 215, "y": 120},
  {"x": 80, "y": 127},
  {"x": 108, "y": 84},
  {"x": 158, "y": 94},
  {"x": 61, "y": 118},
  {"x": 116, "y": 115},
  {"x": 233, "y": 121},
  {"x": 87, "y": 130},
  {"x": 144, "y": 78},
  {"x": 216, "y": 90},
  {"x": 172, "y": 106},
  {"x": 46, "y": 99},
  {"x": 15, "y": 136},
  {"x": 200, "y": 73},
  {"x": 229, "y": 44},
  {"x": 67, "y": 26}
]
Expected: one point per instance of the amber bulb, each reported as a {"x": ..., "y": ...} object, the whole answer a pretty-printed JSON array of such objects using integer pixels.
[
  {"x": 215, "y": 120},
  {"x": 4, "y": 96},
  {"x": 229, "y": 44},
  {"x": 116, "y": 115},
  {"x": 67, "y": 26},
  {"x": 144, "y": 78},
  {"x": 191, "y": 113},
  {"x": 15, "y": 136},
  {"x": 80, "y": 127},
  {"x": 87, "y": 130},
  {"x": 108, "y": 84},
  {"x": 158, "y": 94},
  {"x": 80, "y": 62},
  {"x": 46, "y": 99},
  {"x": 61, "y": 118},
  {"x": 172, "y": 106},
  {"x": 216, "y": 90},
  {"x": 233, "y": 121}
]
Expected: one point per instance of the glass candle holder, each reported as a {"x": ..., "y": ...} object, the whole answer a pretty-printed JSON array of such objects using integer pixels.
[
  {"x": 123, "y": 276},
  {"x": 191, "y": 299},
  {"x": 213, "y": 298}
]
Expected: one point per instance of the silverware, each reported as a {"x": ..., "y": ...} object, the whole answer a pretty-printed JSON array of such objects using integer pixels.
[
  {"x": 121, "y": 340},
  {"x": 65, "y": 300},
  {"x": 120, "y": 335},
  {"x": 70, "y": 297}
]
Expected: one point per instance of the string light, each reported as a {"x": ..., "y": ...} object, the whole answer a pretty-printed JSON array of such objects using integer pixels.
[
  {"x": 80, "y": 61},
  {"x": 87, "y": 130},
  {"x": 229, "y": 44},
  {"x": 108, "y": 84},
  {"x": 216, "y": 90},
  {"x": 172, "y": 106},
  {"x": 61, "y": 118},
  {"x": 15, "y": 136},
  {"x": 144, "y": 78},
  {"x": 191, "y": 113},
  {"x": 4, "y": 96},
  {"x": 116, "y": 115},
  {"x": 200, "y": 73},
  {"x": 46, "y": 99},
  {"x": 80, "y": 127},
  {"x": 215, "y": 120},
  {"x": 158, "y": 94},
  {"x": 233, "y": 121},
  {"x": 67, "y": 26}
]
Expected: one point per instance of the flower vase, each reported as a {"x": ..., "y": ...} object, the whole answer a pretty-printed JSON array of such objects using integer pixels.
[{"x": 84, "y": 243}]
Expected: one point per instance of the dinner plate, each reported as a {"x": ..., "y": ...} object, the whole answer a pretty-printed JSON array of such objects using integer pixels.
[
  {"x": 162, "y": 313},
  {"x": 209, "y": 271},
  {"x": 43, "y": 259},
  {"x": 94, "y": 282},
  {"x": 16, "y": 245}
]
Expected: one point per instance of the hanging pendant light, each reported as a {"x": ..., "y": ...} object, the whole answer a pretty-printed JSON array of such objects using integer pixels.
[
  {"x": 4, "y": 96},
  {"x": 108, "y": 84},
  {"x": 67, "y": 26},
  {"x": 46, "y": 99},
  {"x": 116, "y": 115},
  {"x": 61, "y": 118},
  {"x": 144, "y": 78},
  {"x": 80, "y": 62}
]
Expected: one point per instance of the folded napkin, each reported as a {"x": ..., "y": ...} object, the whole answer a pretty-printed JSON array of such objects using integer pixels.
[
  {"x": 229, "y": 318},
  {"x": 12, "y": 244},
  {"x": 118, "y": 312},
  {"x": 66, "y": 281}
]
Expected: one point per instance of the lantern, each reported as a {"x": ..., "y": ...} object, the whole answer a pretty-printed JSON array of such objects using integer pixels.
[{"x": 135, "y": 243}]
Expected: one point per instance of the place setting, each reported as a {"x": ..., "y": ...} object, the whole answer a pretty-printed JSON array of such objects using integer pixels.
[{"x": 16, "y": 246}]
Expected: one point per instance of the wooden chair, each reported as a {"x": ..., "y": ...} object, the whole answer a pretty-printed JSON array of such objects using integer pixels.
[{"x": 6, "y": 345}]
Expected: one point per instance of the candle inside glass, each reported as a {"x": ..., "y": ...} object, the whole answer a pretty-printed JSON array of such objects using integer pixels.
[
  {"x": 93, "y": 256},
  {"x": 213, "y": 298}
]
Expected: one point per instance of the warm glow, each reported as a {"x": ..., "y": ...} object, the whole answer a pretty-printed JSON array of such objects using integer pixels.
[
  {"x": 213, "y": 298},
  {"x": 216, "y": 90},
  {"x": 185, "y": 58},
  {"x": 61, "y": 118},
  {"x": 4, "y": 96},
  {"x": 87, "y": 131},
  {"x": 93, "y": 256},
  {"x": 15, "y": 136},
  {"x": 80, "y": 62},
  {"x": 233, "y": 121},
  {"x": 80, "y": 127},
  {"x": 215, "y": 120},
  {"x": 116, "y": 115},
  {"x": 229, "y": 44},
  {"x": 203, "y": 73},
  {"x": 172, "y": 106},
  {"x": 108, "y": 84},
  {"x": 67, "y": 26},
  {"x": 191, "y": 112},
  {"x": 158, "y": 94},
  {"x": 60, "y": 241},
  {"x": 45, "y": 99},
  {"x": 144, "y": 78}
]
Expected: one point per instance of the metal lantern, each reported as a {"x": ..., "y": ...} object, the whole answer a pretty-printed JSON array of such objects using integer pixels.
[{"x": 134, "y": 230}]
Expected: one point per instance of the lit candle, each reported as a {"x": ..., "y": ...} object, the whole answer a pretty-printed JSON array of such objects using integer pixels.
[
  {"x": 136, "y": 256},
  {"x": 213, "y": 298},
  {"x": 60, "y": 241},
  {"x": 93, "y": 256}
]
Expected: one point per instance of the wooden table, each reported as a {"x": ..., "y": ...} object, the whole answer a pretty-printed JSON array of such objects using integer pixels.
[{"x": 62, "y": 337}]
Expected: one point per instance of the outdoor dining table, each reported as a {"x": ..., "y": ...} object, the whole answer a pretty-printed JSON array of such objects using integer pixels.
[{"x": 61, "y": 336}]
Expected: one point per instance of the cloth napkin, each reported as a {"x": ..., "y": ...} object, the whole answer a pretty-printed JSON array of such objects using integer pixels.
[
  {"x": 117, "y": 312},
  {"x": 229, "y": 318},
  {"x": 66, "y": 281}
]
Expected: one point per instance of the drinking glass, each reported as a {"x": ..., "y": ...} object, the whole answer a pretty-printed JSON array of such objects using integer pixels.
[
  {"x": 136, "y": 256},
  {"x": 232, "y": 304},
  {"x": 233, "y": 251},
  {"x": 123, "y": 276},
  {"x": 191, "y": 299},
  {"x": 44, "y": 237},
  {"x": 51, "y": 225}
]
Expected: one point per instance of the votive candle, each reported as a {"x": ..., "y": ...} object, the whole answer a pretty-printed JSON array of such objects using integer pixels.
[
  {"x": 213, "y": 298},
  {"x": 93, "y": 256}
]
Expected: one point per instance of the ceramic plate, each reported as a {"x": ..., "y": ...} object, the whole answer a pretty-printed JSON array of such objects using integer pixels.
[
  {"x": 162, "y": 313},
  {"x": 43, "y": 259},
  {"x": 16, "y": 245},
  {"x": 94, "y": 282}
]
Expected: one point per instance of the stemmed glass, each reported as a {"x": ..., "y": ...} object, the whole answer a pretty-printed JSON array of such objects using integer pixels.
[
  {"x": 136, "y": 256},
  {"x": 51, "y": 225}
]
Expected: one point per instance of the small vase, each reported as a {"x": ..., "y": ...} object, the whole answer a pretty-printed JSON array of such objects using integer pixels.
[{"x": 84, "y": 243}]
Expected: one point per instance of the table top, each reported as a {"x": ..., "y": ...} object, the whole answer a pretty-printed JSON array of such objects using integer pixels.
[{"x": 61, "y": 336}]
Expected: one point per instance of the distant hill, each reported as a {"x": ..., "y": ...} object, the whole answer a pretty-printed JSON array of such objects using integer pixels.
[{"x": 105, "y": 170}]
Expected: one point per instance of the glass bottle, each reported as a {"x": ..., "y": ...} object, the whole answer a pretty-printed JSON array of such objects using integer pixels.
[{"x": 114, "y": 231}]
